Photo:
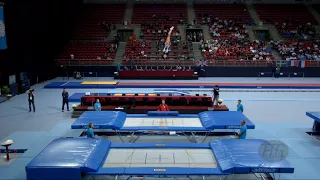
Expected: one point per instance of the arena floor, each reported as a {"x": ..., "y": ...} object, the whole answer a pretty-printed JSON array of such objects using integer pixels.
[{"x": 277, "y": 116}]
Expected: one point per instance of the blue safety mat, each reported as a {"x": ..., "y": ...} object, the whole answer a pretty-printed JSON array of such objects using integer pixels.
[
  {"x": 78, "y": 85},
  {"x": 221, "y": 86},
  {"x": 210, "y": 120},
  {"x": 224, "y": 120},
  {"x": 314, "y": 115},
  {"x": 68, "y": 158},
  {"x": 54, "y": 85},
  {"x": 76, "y": 97},
  {"x": 100, "y": 120},
  {"x": 239, "y": 156}
]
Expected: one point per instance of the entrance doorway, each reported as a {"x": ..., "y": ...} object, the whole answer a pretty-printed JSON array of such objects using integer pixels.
[
  {"x": 263, "y": 35},
  {"x": 125, "y": 34}
]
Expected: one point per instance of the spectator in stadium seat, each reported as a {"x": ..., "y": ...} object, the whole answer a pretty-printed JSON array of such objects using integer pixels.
[
  {"x": 97, "y": 105},
  {"x": 105, "y": 56},
  {"x": 163, "y": 106},
  {"x": 240, "y": 106},
  {"x": 72, "y": 56},
  {"x": 89, "y": 132}
]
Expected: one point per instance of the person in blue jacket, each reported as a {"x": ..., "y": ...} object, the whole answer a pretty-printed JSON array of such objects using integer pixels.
[
  {"x": 118, "y": 66},
  {"x": 239, "y": 106},
  {"x": 97, "y": 105},
  {"x": 89, "y": 132},
  {"x": 243, "y": 130}
]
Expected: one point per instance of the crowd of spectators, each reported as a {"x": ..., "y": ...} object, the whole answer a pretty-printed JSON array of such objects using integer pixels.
[
  {"x": 297, "y": 50},
  {"x": 236, "y": 49},
  {"x": 225, "y": 28},
  {"x": 195, "y": 36},
  {"x": 142, "y": 50},
  {"x": 158, "y": 28},
  {"x": 137, "y": 50},
  {"x": 301, "y": 31}
]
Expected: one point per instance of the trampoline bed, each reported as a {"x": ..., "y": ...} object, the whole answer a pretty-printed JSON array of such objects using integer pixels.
[
  {"x": 183, "y": 158},
  {"x": 68, "y": 158},
  {"x": 164, "y": 122}
]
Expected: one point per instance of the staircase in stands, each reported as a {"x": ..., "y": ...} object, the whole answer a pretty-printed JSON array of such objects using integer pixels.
[
  {"x": 196, "y": 51},
  {"x": 120, "y": 52}
]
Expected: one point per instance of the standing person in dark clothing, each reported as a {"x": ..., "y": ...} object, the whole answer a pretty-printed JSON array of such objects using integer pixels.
[
  {"x": 31, "y": 100},
  {"x": 215, "y": 95},
  {"x": 277, "y": 73},
  {"x": 65, "y": 99}
]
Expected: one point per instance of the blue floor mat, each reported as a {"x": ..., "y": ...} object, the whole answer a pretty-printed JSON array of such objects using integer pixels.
[
  {"x": 77, "y": 85},
  {"x": 76, "y": 97}
]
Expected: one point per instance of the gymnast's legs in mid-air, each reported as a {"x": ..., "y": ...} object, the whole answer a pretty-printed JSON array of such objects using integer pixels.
[{"x": 167, "y": 43}]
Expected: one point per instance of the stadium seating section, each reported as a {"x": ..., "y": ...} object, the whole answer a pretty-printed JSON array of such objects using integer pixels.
[
  {"x": 230, "y": 40},
  {"x": 89, "y": 27},
  {"x": 316, "y": 7},
  {"x": 87, "y": 50},
  {"x": 295, "y": 50},
  {"x": 292, "y": 15},
  {"x": 234, "y": 49},
  {"x": 236, "y": 13},
  {"x": 146, "y": 53},
  {"x": 87, "y": 44},
  {"x": 158, "y": 17}
]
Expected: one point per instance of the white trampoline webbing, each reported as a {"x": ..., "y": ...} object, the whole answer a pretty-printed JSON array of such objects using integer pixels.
[
  {"x": 188, "y": 158},
  {"x": 165, "y": 122}
]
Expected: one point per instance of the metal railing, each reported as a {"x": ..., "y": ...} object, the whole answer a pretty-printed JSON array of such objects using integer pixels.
[{"x": 215, "y": 63}]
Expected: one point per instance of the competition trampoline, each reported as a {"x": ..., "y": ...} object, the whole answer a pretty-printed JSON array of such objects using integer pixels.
[
  {"x": 155, "y": 122},
  {"x": 74, "y": 158}
]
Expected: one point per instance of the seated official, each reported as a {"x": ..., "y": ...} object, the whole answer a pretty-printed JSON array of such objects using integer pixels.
[
  {"x": 163, "y": 106},
  {"x": 97, "y": 105},
  {"x": 89, "y": 132},
  {"x": 78, "y": 76},
  {"x": 243, "y": 130},
  {"x": 220, "y": 101}
]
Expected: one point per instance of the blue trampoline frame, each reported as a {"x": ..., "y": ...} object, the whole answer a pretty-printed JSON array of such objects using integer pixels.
[
  {"x": 316, "y": 117},
  {"x": 113, "y": 121},
  {"x": 233, "y": 156}
]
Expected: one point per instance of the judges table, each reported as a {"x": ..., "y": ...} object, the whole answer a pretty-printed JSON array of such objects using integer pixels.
[
  {"x": 156, "y": 74},
  {"x": 148, "y": 100}
]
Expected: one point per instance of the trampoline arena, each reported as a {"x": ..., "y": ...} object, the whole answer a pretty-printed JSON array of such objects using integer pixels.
[
  {"x": 168, "y": 123},
  {"x": 76, "y": 158}
]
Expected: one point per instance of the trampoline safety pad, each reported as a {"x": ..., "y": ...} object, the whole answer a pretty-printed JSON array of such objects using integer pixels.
[
  {"x": 69, "y": 158},
  {"x": 184, "y": 158},
  {"x": 165, "y": 122}
]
